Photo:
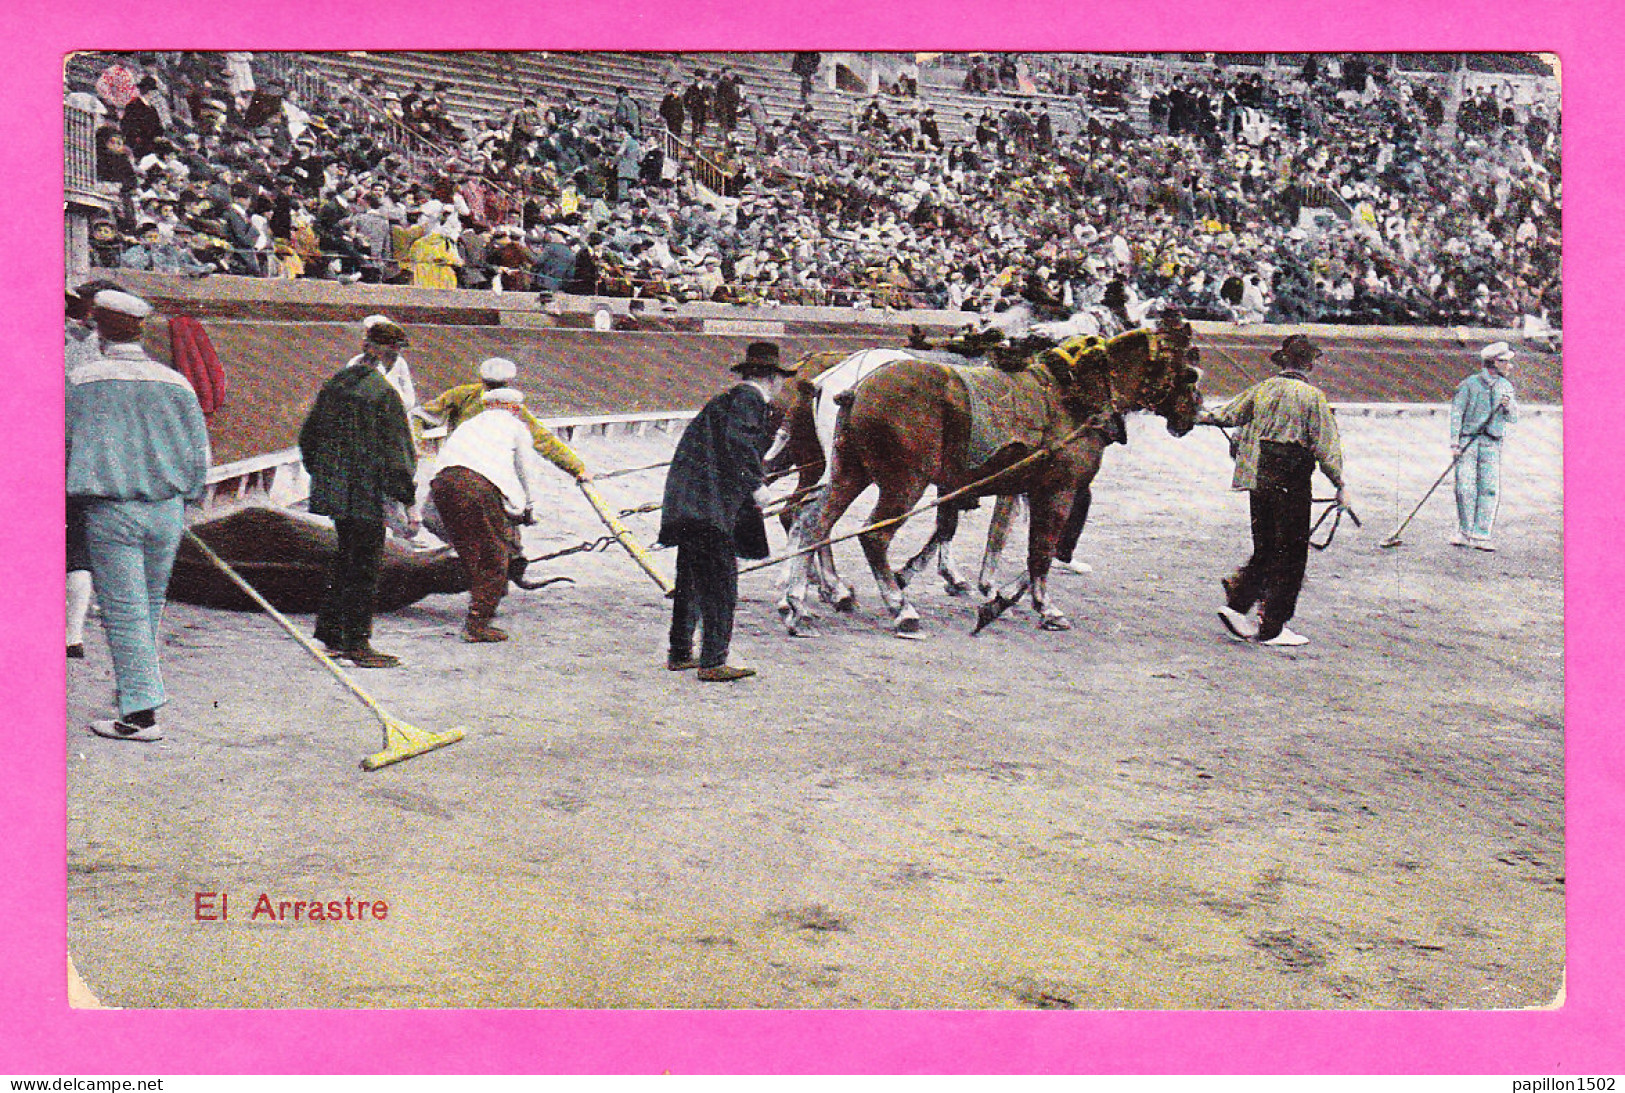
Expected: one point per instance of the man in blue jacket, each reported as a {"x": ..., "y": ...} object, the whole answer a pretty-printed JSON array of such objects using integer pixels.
[
  {"x": 1479, "y": 414},
  {"x": 137, "y": 450},
  {"x": 712, "y": 513}
]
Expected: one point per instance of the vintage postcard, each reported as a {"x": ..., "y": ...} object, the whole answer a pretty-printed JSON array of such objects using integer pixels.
[
  {"x": 1097, "y": 800},
  {"x": 875, "y": 535}
]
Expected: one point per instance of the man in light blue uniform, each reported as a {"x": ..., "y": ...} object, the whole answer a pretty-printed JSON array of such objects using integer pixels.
[
  {"x": 1479, "y": 414},
  {"x": 137, "y": 449},
  {"x": 79, "y": 346}
]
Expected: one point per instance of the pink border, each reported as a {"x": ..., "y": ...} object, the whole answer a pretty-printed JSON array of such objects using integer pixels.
[{"x": 39, "y": 1034}]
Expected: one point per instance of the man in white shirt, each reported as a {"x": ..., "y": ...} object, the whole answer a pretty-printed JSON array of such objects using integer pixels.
[
  {"x": 488, "y": 479},
  {"x": 397, "y": 371}
]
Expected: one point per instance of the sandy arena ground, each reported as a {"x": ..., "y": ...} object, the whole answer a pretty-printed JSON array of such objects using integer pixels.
[{"x": 1135, "y": 814}]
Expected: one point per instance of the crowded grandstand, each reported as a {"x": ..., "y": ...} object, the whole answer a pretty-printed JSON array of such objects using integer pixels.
[{"x": 1385, "y": 189}]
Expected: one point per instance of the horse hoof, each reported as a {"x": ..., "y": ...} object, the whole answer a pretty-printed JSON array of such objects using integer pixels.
[
  {"x": 1055, "y": 622},
  {"x": 985, "y": 590},
  {"x": 956, "y": 588},
  {"x": 907, "y": 624},
  {"x": 846, "y": 604},
  {"x": 984, "y": 615}
]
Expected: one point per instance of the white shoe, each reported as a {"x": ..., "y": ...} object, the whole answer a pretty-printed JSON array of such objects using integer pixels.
[
  {"x": 120, "y": 730},
  {"x": 1286, "y": 637},
  {"x": 1080, "y": 568},
  {"x": 1240, "y": 626},
  {"x": 1461, "y": 540},
  {"x": 1484, "y": 544}
]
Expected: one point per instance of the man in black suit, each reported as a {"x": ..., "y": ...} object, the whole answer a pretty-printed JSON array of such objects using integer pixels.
[
  {"x": 240, "y": 233},
  {"x": 671, "y": 110},
  {"x": 141, "y": 123},
  {"x": 697, "y": 103},
  {"x": 726, "y": 101},
  {"x": 712, "y": 513}
]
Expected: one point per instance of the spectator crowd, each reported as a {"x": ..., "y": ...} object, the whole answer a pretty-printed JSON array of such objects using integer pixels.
[{"x": 1338, "y": 192}]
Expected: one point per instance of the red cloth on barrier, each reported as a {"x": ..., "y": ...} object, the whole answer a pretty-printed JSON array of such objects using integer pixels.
[{"x": 196, "y": 360}]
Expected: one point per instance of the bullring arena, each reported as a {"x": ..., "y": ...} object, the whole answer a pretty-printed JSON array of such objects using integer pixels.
[{"x": 1134, "y": 814}]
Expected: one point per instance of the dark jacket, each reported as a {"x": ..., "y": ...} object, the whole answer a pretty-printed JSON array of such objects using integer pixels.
[
  {"x": 357, "y": 447},
  {"x": 671, "y": 112},
  {"x": 240, "y": 234},
  {"x": 716, "y": 468},
  {"x": 725, "y": 100},
  {"x": 554, "y": 266},
  {"x": 697, "y": 103},
  {"x": 583, "y": 279},
  {"x": 141, "y": 126}
]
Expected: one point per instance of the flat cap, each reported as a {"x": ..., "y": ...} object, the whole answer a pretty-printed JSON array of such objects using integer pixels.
[
  {"x": 498, "y": 370},
  {"x": 122, "y": 303}
]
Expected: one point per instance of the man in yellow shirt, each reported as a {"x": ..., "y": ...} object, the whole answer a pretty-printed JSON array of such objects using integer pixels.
[
  {"x": 1287, "y": 429},
  {"x": 453, "y": 407}
]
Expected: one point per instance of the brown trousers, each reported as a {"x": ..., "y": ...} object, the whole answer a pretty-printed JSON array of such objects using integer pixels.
[{"x": 471, "y": 507}]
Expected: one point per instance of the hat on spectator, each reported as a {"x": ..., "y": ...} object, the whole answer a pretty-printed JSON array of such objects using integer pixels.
[
  {"x": 1495, "y": 353},
  {"x": 762, "y": 359},
  {"x": 498, "y": 370}
]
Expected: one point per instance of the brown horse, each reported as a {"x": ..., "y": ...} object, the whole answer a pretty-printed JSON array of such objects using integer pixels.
[
  {"x": 909, "y": 426},
  {"x": 806, "y": 409}
]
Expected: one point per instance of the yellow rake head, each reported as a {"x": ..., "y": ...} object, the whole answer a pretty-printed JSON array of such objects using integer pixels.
[{"x": 403, "y": 741}]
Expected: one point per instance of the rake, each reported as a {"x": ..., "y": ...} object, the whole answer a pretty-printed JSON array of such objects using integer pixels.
[
  {"x": 401, "y": 741},
  {"x": 1394, "y": 539}
]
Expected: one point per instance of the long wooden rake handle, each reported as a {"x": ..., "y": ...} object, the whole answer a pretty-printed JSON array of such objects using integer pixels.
[
  {"x": 401, "y": 741},
  {"x": 625, "y": 538},
  {"x": 282, "y": 621},
  {"x": 1393, "y": 539}
]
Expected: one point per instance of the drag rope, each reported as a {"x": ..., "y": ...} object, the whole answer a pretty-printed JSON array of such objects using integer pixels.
[{"x": 1098, "y": 421}]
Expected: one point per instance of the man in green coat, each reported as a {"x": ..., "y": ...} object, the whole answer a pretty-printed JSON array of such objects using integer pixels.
[{"x": 358, "y": 450}]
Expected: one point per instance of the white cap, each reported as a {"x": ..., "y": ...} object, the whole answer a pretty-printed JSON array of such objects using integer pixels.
[
  {"x": 1493, "y": 353},
  {"x": 498, "y": 370},
  {"x": 373, "y": 320},
  {"x": 122, "y": 303},
  {"x": 510, "y": 395}
]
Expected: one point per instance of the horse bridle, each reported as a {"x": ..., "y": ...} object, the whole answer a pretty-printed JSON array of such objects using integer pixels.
[
  {"x": 1162, "y": 347},
  {"x": 1177, "y": 355}
]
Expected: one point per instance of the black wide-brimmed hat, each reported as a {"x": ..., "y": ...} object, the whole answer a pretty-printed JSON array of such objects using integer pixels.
[
  {"x": 1297, "y": 351},
  {"x": 762, "y": 359}
]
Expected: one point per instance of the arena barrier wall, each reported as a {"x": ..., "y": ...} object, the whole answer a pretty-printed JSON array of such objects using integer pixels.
[{"x": 280, "y": 340}]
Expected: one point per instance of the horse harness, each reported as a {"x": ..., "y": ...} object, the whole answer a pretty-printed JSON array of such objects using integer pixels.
[{"x": 1080, "y": 363}]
